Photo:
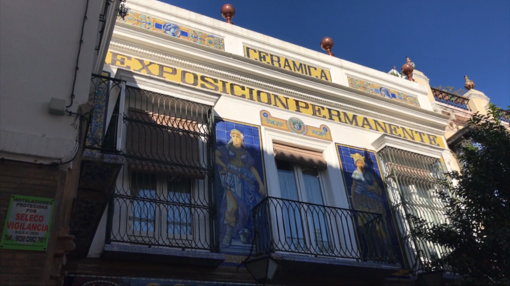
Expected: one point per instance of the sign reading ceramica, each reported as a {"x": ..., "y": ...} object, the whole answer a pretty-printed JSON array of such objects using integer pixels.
[
  {"x": 286, "y": 63},
  {"x": 267, "y": 98},
  {"x": 28, "y": 223}
]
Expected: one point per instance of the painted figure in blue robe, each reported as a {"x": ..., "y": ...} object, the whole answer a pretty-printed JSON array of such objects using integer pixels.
[
  {"x": 367, "y": 196},
  {"x": 243, "y": 190}
]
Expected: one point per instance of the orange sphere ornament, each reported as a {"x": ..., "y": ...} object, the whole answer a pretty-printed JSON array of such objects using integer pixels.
[
  {"x": 228, "y": 11},
  {"x": 327, "y": 44}
]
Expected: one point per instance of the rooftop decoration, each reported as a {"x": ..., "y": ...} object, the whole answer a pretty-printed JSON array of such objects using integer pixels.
[
  {"x": 327, "y": 44},
  {"x": 228, "y": 11},
  {"x": 408, "y": 69},
  {"x": 469, "y": 83},
  {"x": 394, "y": 72},
  {"x": 410, "y": 62}
]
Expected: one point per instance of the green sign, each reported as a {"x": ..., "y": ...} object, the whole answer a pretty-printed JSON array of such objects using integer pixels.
[{"x": 28, "y": 223}]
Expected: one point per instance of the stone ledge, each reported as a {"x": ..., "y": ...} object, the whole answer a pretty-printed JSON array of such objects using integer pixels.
[{"x": 162, "y": 255}]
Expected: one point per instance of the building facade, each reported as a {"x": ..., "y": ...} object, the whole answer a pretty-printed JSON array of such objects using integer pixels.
[
  {"x": 236, "y": 146},
  {"x": 49, "y": 51},
  {"x": 204, "y": 146}
]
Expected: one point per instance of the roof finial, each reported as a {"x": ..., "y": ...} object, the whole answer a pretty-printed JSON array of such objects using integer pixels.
[
  {"x": 327, "y": 45},
  {"x": 469, "y": 83},
  {"x": 408, "y": 69},
  {"x": 228, "y": 12},
  {"x": 410, "y": 62}
]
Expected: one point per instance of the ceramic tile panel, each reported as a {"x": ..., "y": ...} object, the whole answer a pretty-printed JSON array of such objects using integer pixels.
[
  {"x": 376, "y": 89},
  {"x": 171, "y": 29},
  {"x": 240, "y": 183}
]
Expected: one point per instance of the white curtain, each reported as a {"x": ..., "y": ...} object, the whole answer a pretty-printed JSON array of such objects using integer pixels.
[
  {"x": 316, "y": 216},
  {"x": 291, "y": 211}
]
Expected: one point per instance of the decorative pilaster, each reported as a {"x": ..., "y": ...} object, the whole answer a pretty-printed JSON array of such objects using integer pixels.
[{"x": 478, "y": 101}]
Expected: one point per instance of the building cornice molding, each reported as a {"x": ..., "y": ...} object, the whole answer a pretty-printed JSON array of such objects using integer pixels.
[
  {"x": 134, "y": 36},
  {"x": 476, "y": 94},
  {"x": 159, "y": 85},
  {"x": 377, "y": 112},
  {"x": 386, "y": 140},
  {"x": 420, "y": 75},
  {"x": 439, "y": 107},
  {"x": 249, "y": 37}
]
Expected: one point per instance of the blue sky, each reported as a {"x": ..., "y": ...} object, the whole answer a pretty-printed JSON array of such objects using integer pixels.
[{"x": 446, "y": 39}]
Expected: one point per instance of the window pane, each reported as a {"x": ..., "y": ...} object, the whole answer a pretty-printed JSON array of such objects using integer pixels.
[
  {"x": 143, "y": 187},
  {"x": 317, "y": 219},
  {"x": 179, "y": 210},
  {"x": 287, "y": 179},
  {"x": 312, "y": 186},
  {"x": 291, "y": 210}
]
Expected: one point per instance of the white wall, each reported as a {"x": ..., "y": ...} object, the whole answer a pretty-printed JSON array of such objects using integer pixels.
[{"x": 39, "y": 48}]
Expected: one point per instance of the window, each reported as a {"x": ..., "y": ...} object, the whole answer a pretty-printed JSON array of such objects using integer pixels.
[
  {"x": 305, "y": 225},
  {"x": 162, "y": 193},
  {"x": 161, "y": 208},
  {"x": 411, "y": 180}
]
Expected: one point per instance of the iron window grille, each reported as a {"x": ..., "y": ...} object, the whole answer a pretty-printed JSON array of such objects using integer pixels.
[
  {"x": 412, "y": 183},
  {"x": 163, "y": 192}
]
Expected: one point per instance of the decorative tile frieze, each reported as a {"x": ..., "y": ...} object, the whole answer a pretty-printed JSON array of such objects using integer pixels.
[
  {"x": 376, "y": 89},
  {"x": 174, "y": 30},
  {"x": 295, "y": 125}
]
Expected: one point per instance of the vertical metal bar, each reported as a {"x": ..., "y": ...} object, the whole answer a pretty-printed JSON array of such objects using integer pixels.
[
  {"x": 120, "y": 118},
  {"x": 214, "y": 235},
  {"x": 109, "y": 219}
]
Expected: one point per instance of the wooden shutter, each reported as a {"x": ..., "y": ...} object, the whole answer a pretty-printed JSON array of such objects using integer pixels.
[
  {"x": 163, "y": 144},
  {"x": 299, "y": 156}
]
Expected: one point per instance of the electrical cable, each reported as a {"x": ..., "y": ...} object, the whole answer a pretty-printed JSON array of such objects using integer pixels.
[{"x": 78, "y": 56}]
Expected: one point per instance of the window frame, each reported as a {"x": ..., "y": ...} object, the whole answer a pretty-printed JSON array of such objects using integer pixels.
[
  {"x": 161, "y": 210},
  {"x": 305, "y": 219}
]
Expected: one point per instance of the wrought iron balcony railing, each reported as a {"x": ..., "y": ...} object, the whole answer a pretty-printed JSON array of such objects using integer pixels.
[
  {"x": 284, "y": 225},
  {"x": 505, "y": 115},
  {"x": 169, "y": 216},
  {"x": 450, "y": 98}
]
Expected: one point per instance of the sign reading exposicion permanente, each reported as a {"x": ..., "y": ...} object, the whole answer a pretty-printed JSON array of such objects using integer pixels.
[{"x": 268, "y": 99}]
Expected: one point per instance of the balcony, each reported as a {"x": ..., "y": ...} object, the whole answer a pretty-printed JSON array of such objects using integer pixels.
[
  {"x": 308, "y": 237},
  {"x": 450, "y": 99},
  {"x": 160, "y": 207}
]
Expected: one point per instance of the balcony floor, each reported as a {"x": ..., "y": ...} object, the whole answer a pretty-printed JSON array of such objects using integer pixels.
[
  {"x": 162, "y": 255},
  {"x": 305, "y": 269}
]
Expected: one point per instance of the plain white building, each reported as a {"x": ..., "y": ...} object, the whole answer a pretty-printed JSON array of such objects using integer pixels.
[{"x": 48, "y": 53}]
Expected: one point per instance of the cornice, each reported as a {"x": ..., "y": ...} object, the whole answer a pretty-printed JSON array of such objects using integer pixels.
[
  {"x": 386, "y": 140},
  {"x": 192, "y": 52},
  {"x": 328, "y": 97},
  {"x": 159, "y": 85},
  {"x": 476, "y": 94},
  {"x": 222, "y": 29},
  {"x": 419, "y": 74},
  {"x": 438, "y": 106}
]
